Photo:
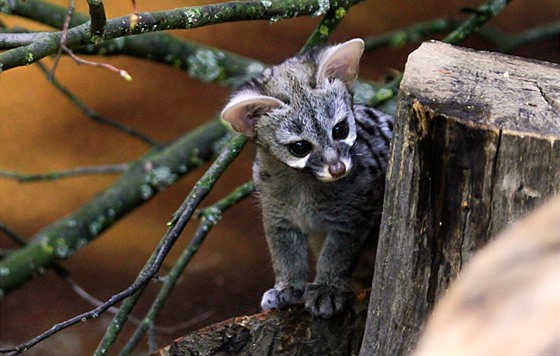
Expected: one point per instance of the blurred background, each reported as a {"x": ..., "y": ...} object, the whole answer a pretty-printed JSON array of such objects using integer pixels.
[{"x": 41, "y": 131}]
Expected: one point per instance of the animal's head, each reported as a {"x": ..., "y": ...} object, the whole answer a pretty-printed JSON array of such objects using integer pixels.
[{"x": 300, "y": 111}]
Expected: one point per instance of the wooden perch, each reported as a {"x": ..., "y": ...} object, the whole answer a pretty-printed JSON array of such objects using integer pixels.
[
  {"x": 507, "y": 299},
  {"x": 476, "y": 145},
  {"x": 290, "y": 332}
]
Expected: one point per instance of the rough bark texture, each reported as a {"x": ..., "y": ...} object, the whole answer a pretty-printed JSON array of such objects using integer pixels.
[
  {"x": 290, "y": 332},
  {"x": 476, "y": 145}
]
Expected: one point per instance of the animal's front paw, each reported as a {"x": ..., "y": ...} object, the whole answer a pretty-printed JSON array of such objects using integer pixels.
[
  {"x": 325, "y": 301},
  {"x": 281, "y": 298}
]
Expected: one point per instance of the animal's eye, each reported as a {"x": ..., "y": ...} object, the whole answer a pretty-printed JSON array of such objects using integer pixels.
[
  {"x": 299, "y": 148},
  {"x": 340, "y": 130}
]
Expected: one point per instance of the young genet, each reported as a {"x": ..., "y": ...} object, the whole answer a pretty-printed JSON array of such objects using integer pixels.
[{"x": 319, "y": 171}]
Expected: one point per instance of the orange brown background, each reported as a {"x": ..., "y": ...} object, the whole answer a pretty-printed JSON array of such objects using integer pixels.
[{"x": 41, "y": 131}]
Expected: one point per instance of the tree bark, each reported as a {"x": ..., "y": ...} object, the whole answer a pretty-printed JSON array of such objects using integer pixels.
[
  {"x": 476, "y": 145},
  {"x": 290, "y": 332}
]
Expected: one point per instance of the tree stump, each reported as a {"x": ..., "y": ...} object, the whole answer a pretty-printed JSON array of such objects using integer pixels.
[
  {"x": 290, "y": 332},
  {"x": 476, "y": 145}
]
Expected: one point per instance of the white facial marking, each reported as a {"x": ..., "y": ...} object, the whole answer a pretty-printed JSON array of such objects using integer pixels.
[
  {"x": 297, "y": 162},
  {"x": 351, "y": 137}
]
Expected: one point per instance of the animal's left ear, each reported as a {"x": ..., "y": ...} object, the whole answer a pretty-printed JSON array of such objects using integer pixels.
[{"x": 341, "y": 61}]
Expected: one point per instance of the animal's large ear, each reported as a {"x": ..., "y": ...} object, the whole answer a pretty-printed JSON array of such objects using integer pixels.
[
  {"x": 244, "y": 109},
  {"x": 341, "y": 61}
]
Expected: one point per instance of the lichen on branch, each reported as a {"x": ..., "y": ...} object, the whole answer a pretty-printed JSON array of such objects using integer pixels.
[
  {"x": 180, "y": 18},
  {"x": 149, "y": 175}
]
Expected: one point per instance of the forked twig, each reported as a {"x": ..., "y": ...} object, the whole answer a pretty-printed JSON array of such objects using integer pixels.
[{"x": 181, "y": 217}]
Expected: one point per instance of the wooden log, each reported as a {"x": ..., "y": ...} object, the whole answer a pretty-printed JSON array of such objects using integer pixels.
[
  {"x": 290, "y": 332},
  {"x": 476, "y": 145},
  {"x": 507, "y": 299}
]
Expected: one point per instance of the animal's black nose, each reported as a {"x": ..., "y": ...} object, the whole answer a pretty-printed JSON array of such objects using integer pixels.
[{"x": 337, "y": 170}]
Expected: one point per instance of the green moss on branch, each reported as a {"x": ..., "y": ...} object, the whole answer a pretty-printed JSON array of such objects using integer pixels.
[
  {"x": 181, "y": 18},
  {"x": 149, "y": 175}
]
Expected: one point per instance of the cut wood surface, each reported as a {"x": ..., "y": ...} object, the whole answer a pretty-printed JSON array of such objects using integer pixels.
[{"x": 476, "y": 145}]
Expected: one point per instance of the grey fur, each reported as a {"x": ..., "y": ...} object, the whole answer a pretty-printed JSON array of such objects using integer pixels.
[{"x": 305, "y": 199}]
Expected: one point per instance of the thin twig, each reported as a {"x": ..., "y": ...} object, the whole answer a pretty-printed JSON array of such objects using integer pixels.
[
  {"x": 482, "y": 14},
  {"x": 209, "y": 217},
  {"x": 147, "y": 176},
  {"x": 413, "y": 33},
  {"x": 182, "y": 216},
  {"x": 134, "y": 7},
  {"x": 177, "y": 224},
  {"x": 121, "y": 72},
  {"x": 63, "y": 38},
  {"x": 202, "y": 62},
  {"x": 75, "y": 172},
  {"x": 134, "y": 15},
  {"x": 93, "y": 115},
  {"x": 12, "y": 234},
  {"x": 180, "y": 18}
]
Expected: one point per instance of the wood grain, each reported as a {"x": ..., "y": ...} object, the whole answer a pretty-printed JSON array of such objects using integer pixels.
[{"x": 476, "y": 145}]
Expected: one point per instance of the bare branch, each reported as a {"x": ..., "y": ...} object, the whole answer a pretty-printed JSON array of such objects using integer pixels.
[
  {"x": 149, "y": 175},
  {"x": 121, "y": 72},
  {"x": 181, "y": 18},
  {"x": 182, "y": 216},
  {"x": 17, "y": 37},
  {"x": 44, "y": 12},
  {"x": 209, "y": 217},
  {"x": 81, "y": 171},
  {"x": 482, "y": 15},
  {"x": 63, "y": 38}
]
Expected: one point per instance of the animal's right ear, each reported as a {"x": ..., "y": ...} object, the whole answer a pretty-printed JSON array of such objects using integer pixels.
[
  {"x": 244, "y": 109},
  {"x": 342, "y": 62}
]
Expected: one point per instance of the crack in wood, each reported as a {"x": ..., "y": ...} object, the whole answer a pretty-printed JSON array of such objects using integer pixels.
[{"x": 547, "y": 98}]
